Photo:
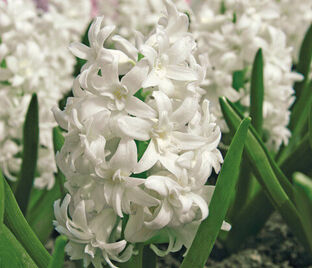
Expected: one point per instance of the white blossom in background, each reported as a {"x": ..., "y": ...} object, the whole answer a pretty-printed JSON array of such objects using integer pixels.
[
  {"x": 144, "y": 14},
  {"x": 294, "y": 19},
  {"x": 119, "y": 193},
  {"x": 34, "y": 57},
  {"x": 231, "y": 32}
]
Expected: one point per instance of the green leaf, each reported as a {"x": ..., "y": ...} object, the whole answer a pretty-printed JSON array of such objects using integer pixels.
[
  {"x": 276, "y": 186},
  {"x": 238, "y": 79},
  {"x": 1, "y": 198},
  {"x": 58, "y": 256},
  {"x": 136, "y": 261},
  {"x": 251, "y": 219},
  {"x": 15, "y": 221},
  {"x": 299, "y": 160},
  {"x": 298, "y": 120},
  {"x": 301, "y": 108},
  {"x": 58, "y": 141},
  {"x": 209, "y": 228},
  {"x": 310, "y": 126},
  {"x": 246, "y": 182},
  {"x": 30, "y": 154},
  {"x": 304, "y": 183},
  {"x": 41, "y": 213},
  {"x": 255, "y": 147},
  {"x": 303, "y": 186},
  {"x": 12, "y": 254},
  {"x": 304, "y": 63},
  {"x": 149, "y": 258},
  {"x": 257, "y": 92},
  {"x": 40, "y": 216}
]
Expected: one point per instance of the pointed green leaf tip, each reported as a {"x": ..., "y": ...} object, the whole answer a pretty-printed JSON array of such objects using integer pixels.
[
  {"x": 57, "y": 260},
  {"x": 257, "y": 92},
  {"x": 30, "y": 154},
  {"x": 227, "y": 179}
]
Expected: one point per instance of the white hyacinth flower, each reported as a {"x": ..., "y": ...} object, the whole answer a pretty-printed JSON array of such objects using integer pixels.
[
  {"x": 136, "y": 151},
  {"x": 231, "y": 40},
  {"x": 34, "y": 59}
]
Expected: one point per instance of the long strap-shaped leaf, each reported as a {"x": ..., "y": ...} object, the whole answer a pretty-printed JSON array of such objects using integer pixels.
[
  {"x": 40, "y": 215},
  {"x": 246, "y": 181},
  {"x": 257, "y": 92},
  {"x": 30, "y": 154},
  {"x": 266, "y": 174},
  {"x": 15, "y": 221},
  {"x": 2, "y": 204},
  {"x": 58, "y": 141},
  {"x": 303, "y": 185},
  {"x": 12, "y": 254},
  {"x": 305, "y": 58},
  {"x": 251, "y": 219},
  {"x": 300, "y": 109},
  {"x": 310, "y": 126},
  {"x": 209, "y": 228},
  {"x": 57, "y": 260}
]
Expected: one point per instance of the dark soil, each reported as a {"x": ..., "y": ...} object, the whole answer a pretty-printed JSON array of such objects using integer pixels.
[{"x": 275, "y": 246}]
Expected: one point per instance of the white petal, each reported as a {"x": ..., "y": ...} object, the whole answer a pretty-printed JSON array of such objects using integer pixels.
[
  {"x": 79, "y": 216},
  {"x": 136, "y": 107},
  {"x": 201, "y": 203},
  {"x": 167, "y": 86},
  {"x": 124, "y": 62},
  {"x": 162, "y": 218},
  {"x": 139, "y": 197},
  {"x": 133, "y": 127},
  {"x": 149, "y": 158},
  {"x": 157, "y": 184},
  {"x": 149, "y": 53},
  {"x": 104, "y": 34},
  {"x": 135, "y": 231},
  {"x": 185, "y": 112},
  {"x": 163, "y": 102},
  {"x": 117, "y": 199},
  {"x": 226, "y": 226},
  {"x": 181, "y": 73},
  {"x": 133, "y": 79},
  {"x": 168, "y": 160},
  {"x": 94, "y": 31},
  {"x": 80, "y": 50},
  {"x": 60, "y": 117},
  {"x": 187, "y": 141},
  {"x": 152, "y": 80},
  {"x": 125, "y": 158},
  {"x": 125, "y": 46}
]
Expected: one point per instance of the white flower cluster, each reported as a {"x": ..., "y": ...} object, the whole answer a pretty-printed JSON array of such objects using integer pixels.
[
  {"x": 144, "y": 14},
  {"x": 140, "y": 144},
  {"x": 295, "y": 16},
  {"x": 231, "y": 32},
  {"x": 34, "y": 58}
]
